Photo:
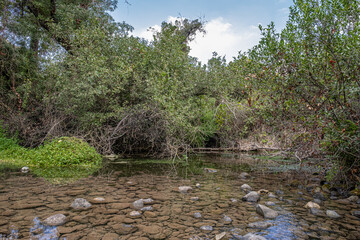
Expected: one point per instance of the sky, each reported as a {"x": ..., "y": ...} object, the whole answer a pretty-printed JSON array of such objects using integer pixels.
[{"x": 231, "y": 25}]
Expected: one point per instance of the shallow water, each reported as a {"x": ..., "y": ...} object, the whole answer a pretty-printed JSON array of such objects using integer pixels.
[{"x": 25, "y": 202}]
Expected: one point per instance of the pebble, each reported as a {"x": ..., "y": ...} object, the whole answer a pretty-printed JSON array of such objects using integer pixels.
[
  {"x": 80, "y": 204},
  {"x": 135, "y": 214},
  {"x": 206, "y": 228},
  {"x": 149, "y": 208},
  {"x": 55, "y": 220},
  {"x": 227, "y": 219},
  {"x": 197, "y": 215},
  {"x": 332, "y": 214},
  {"x": 138, "y": 204},
  {"x": 185, "y": 189}
]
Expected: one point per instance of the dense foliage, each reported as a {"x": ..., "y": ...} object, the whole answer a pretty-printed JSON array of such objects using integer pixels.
[{"x": 67, "y": 69}]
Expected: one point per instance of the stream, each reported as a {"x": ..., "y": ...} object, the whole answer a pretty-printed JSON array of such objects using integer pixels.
[{"x": 211, "y": 207}]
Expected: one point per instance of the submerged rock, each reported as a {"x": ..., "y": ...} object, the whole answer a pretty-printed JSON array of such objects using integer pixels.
[
  {"x": 148, "y": 201},
  {"x": 206, "y": 228},
  {"x": 138, "y": 204},
  {"x": 353, "y": 199},
  {"x": 245, "y": 187},
  {"x": 271, "y": 195},
  {"x": 135, "y": 214},
  {"x": 220, "y": 236},
  {"x": 149, "y": 208},
  {"x": 55, "y": 220},
  {"x": 194, "y": 198},
  {"x": 251, "y": 236},
  {"x": 279, "y": 192},
  {"x": 356, "y": 213},
  {"x": 197, "y": 215},
  {"x": 260, "y": 225},
  {"x": 312, "y": 205},
  {"x": 251, "y": 197},
  {"x": 227, "y": 219},
  {"x": 332, "y": 214},
  {"x": 80, "y": 204},
  {"x": 185, "y": 189},
  {"x": 269, "y": 203},
  {"x": 316, "y": 211},
  {"x": 266, "y": 212}
]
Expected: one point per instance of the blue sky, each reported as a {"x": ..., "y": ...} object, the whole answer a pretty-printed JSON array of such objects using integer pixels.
[{"x": 232, "y": 25}]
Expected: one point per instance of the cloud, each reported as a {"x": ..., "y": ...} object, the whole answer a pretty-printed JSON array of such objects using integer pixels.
[{"x": 221, "y": 37}]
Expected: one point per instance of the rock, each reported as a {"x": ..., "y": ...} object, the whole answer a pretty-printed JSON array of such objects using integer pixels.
[
  {"x": 124, "y": 229},
  {"x": 210, "y": 170},
  {"x": 251, "y": 236},
  {"x": 332, "y": 214},
  {"x": 271, "y": 195},
  {"x": 244, "y": 175},
  {"x": 246, "y": 188},
  {"x": 148, "y": 201},
  {"x": 197, "y": 215},
  {"x": 251, "y": 197},
  {"x": 198, "y": 185},
  {"x": 233, "y": 200},
  {"x": 25, "y": 169},
  {"x": 206, "y": 228},
  {"x": 358, "y": 201},
  {"x": 227, "y": 219},
  {"x": 269, "y": 203},
  {"x": 194, "y": 198},
  {"x": 138, "y": 204},
  {"x": 220, "y": 236},
  {"x": 319, "y": 195},
  {"x": 316, "y": 211},
  {"x": 110, "y": 236},
  {"x": 185, "y": 189},
  {"x": 312, "y": 205},
  {"x": 353, "y": 199},
  {"x": 266, "y": 212},
  {"x": 149, "y": 208},
  {"x": 356, "y": 213},
  {"x": 98, "y": 200},
  {"x": 135, "y": 214},
  {"x": 260, "y": 225},
  {"x": 318, "y": 201},
  {"x": 263, "y": 191},
  {"x": 55, "y": 220},
  {"x": 80, "y": 204},
  {"x": 279, "y": 192}
]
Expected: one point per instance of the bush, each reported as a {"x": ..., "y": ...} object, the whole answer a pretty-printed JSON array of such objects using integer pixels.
[{"x": 64, "y": 151}]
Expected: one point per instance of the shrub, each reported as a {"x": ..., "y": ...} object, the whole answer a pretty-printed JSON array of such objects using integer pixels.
[{"x": 64, "y": 151}]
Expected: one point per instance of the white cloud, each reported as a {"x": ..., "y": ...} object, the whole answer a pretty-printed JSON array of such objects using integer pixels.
[{"x": 221, "y": 37}]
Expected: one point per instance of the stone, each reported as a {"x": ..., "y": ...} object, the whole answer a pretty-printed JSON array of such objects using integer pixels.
[
  {"x": 149, "y": 208},
  {"x": 245, "y": 187},
  {"x": 138, "y": 204},
  {"x": 148, "y": 201},
  {"x": 279, "y": 192},
  {"x": 312, "y": 205},
  {"x": 197, "y": 215},
  {"x": 98, "y": 200},
  {"x": 198, "y": 185},
  {"x": 206, "y": 228},
  {"x": 210, "y": 170},
  {"x": 220, "y": 236},
  {"x": 244, "y": 175},
  {"x": 251, "y": 236},
  {"x": 318, "y": 201},
  {"x": 55, "y": 220},
  {"x": 353, "y": 199},
  {"x": 332, "y": 214},
  {"x": 194, "y": 198},
  {"x": 356, "y": 213},
  {"x": 110, "y": 236},
  {"x": 233, "y": 200},
  {"x": 266, "y": 212},
  {"x": 135, "y": 214},
  {"x": 185, "y": 189},
  {"x": 316, "y": 211},
  {"x": 80, "y": 204},
  {"x": 271, "y": 195},
  {"x": 227, "y": 219},
  {"x": 124, "y": 229},
  {"x": 269, "y": 203},
  {"x": 319, "y": 195},
  {"x": 251, "y": 197},
  {"x": 25, "y": 169},
  {"x": 260, "y": 225}
]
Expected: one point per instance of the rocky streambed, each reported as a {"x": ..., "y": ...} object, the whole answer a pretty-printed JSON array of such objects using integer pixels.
[{"x": 217, "y": 204}]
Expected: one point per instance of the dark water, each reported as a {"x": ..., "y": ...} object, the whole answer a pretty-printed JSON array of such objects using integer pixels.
[{"x": 25, "y": 201}]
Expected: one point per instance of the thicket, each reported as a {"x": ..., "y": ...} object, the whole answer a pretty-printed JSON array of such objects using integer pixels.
[{"x": 67, "y": 69}]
